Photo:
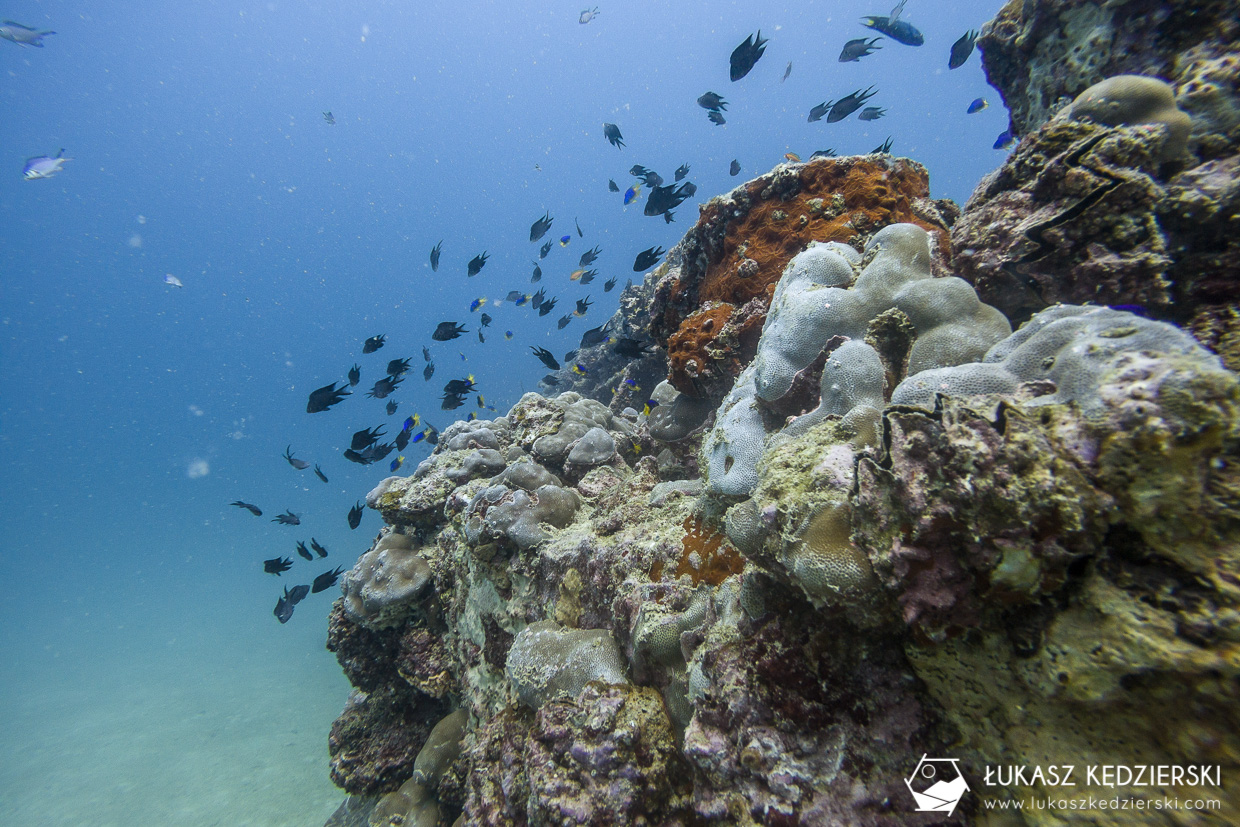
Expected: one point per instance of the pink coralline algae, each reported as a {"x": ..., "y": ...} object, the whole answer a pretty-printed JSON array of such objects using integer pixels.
[
  {"x": 797, "y": 723},
  {"x": 967, "y": 515}
]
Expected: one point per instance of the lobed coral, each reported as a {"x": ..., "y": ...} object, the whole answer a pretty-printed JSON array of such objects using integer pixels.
[
  {"x": 810, "y": 309},
  {"x": 1126, "y": 100},
  {"x": 411, "y": 804},
  {"x": 441, "y": 750},
  {"x": 1068, "y": 349}
]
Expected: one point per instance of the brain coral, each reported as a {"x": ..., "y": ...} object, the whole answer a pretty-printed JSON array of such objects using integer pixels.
[
  {"x": 547, "y": 660},
  {"x": 708, "y": 309},
  {"x": 380, "y": 589},
  {"x": 1134, "y": 99}
]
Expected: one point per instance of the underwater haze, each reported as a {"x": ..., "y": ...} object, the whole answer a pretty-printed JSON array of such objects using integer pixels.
[{"x": 147, "y": 680}]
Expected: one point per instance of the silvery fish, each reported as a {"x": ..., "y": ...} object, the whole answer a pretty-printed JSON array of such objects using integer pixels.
[
  {"x": 23, "y": 35},
  {"x": 41, "y": 166}
]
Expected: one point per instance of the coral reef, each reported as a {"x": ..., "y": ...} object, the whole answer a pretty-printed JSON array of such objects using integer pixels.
[
  {"x": 1064, "y": 549},
  {"x": 605, "y": 756},
  {"x": 1086, "y": 598},
  {"x": 797, "y": 721},
  {"x": 618, "y": 630},
  {"x": 862, "y": 522}
]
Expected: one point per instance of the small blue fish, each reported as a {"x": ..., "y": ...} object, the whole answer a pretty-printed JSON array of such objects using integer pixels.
[
  {"x": 419, "y": 436},
  {"x": 521, "y": 300},
  {"x": 42, "y": 166},
  {"x": 630, "y": 195},
  {"x": 396, "y": 463},
  {"x": 473, "y": 417},
  {"x": 411, "y": 422},
  {"x": 564, "y": 239},
  {"x": 977, "y": 106},
  {"x": 1004, "y": 140},
  {"x": 650, "y": 405},
  {"x": 507, "y": 334},
  {"x": 579, "y": 370},
  {"x": 476, "y": 303},
  {"x": 481, "y": 402}
]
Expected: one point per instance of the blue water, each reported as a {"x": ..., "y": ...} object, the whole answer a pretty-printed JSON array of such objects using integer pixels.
[{"x": 145, "y": 677}]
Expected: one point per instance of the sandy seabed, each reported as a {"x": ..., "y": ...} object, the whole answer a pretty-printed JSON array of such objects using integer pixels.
[{"x": 201, "y": 716}]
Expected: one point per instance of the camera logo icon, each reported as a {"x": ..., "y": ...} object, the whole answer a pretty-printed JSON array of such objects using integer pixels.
[{"x": 937, "y": 784}]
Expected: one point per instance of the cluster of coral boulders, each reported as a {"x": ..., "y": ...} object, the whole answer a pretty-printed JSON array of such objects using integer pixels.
[
  {"x": 911, "y": 488},
  {"x": 1029, "y": 551}
]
